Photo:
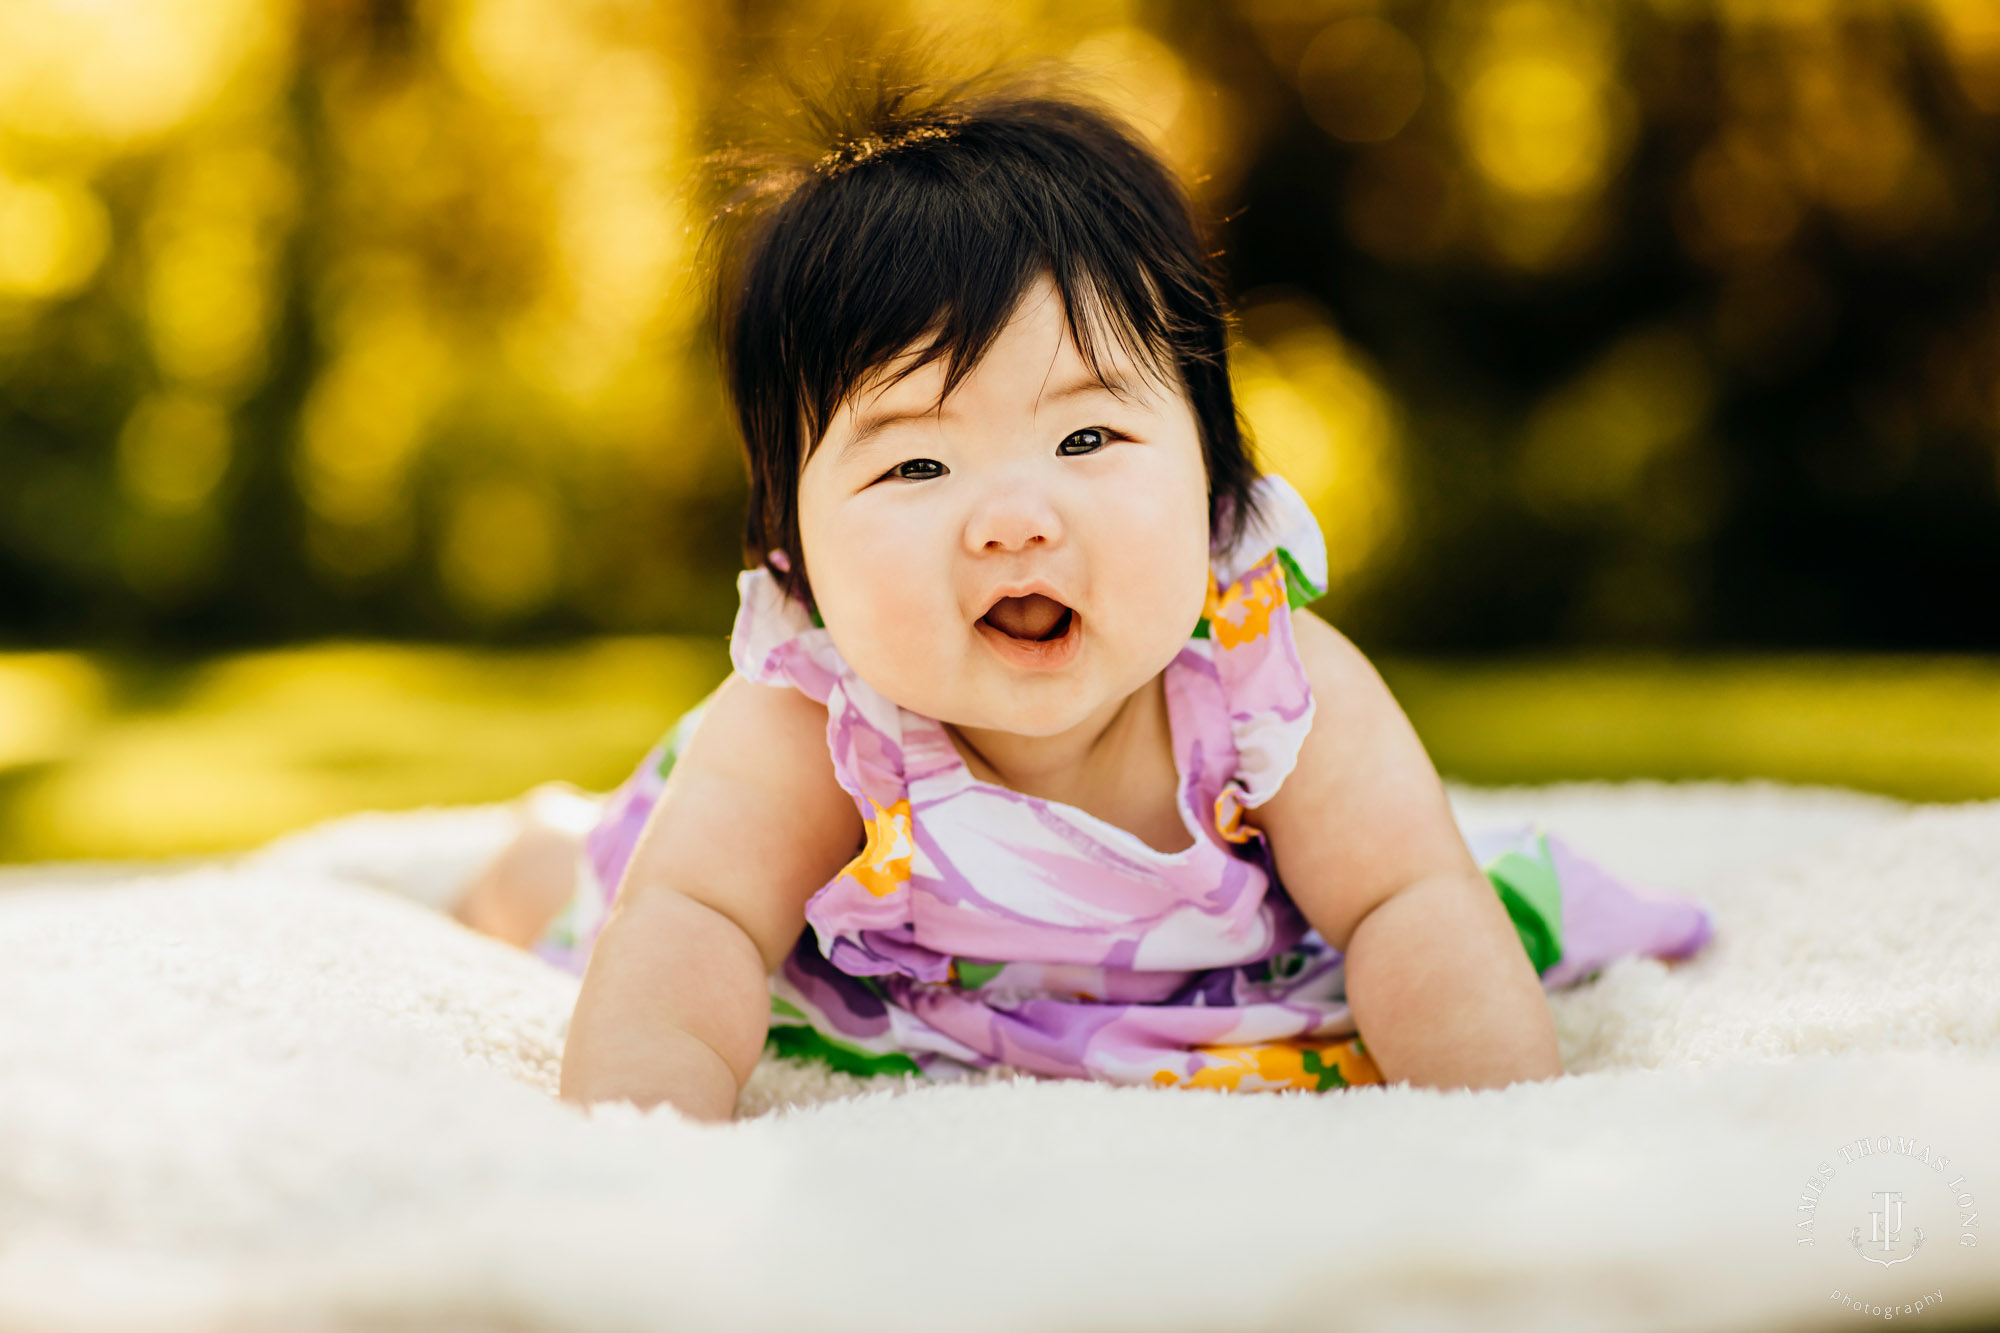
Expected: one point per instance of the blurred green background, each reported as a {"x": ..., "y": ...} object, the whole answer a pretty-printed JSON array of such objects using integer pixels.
[{"x": 359, "y": 446}]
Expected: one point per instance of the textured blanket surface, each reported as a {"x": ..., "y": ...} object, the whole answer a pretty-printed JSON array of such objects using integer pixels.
[{"x": 280, "y": 1091}]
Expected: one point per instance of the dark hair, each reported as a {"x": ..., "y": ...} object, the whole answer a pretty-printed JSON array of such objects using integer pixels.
[{"x": 902, "y": 209}]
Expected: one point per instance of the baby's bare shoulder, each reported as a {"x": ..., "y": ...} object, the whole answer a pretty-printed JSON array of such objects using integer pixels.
[
  {"x": 1359, "y": 735},
  {"x": 1328, "y": 656},
  {"x": 1362, "y": 812},
  {"x": 1355, "y": 720},
  {"x": 752, "y": 821},
  {"x": 763, "y": 734}
]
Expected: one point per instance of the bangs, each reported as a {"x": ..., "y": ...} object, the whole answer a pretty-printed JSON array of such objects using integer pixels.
[
  {"x": 907, "y": 229},
  {"x": 952, "y": 301}
]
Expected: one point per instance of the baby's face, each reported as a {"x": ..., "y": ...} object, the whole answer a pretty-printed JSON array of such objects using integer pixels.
[{"x": 913, "y": 531}]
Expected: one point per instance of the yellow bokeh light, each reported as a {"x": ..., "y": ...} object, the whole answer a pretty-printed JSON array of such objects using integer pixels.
[
  {"x": 123, "y": 73},
  {"x": 620, "y": 235},
  {"x": 607, "y": 109},
  {"x": 498, "y": 557},
  {"x": 1971, "y": 30},
  {"x": 205, "y": 306},
  {"x": 173, "y": 452},
  {"x": 1536, "y": 126},
  {"x": 1319, "y": 418},
  {"x": 211, "y": 242},
  {"x": 1545, "y": 121},
  {"x": 366, "y": 417},
  {"x": 518, "y": 52},
  {"x": 1361, "y": 79},
  {"x": 1189, "y": 121},
  {"x": 1142, "y": 77},
  {"x": 53, "y": 236},
  {"x": 47, "y": 703},
  {"x": 1540, "y": 109}
]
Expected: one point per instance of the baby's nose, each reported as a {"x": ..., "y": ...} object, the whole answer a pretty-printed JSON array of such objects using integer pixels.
[
  {"x": 1015, "y": 521},
  {"x": 992, "y": 542}
]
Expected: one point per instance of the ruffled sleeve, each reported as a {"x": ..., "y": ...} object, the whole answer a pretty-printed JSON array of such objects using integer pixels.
[
  {"x": 1285, "y": 524},
  {"x": 1279, "y": 562},
  {"x": 775, "y": 642}
]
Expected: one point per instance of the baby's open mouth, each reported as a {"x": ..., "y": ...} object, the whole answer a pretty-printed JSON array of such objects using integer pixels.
[{"x": 1030, "y": 617}]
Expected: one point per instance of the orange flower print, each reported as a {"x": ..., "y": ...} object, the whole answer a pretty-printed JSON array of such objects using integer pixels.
[
  {"x": 1229, "y": 816},
  {"x": 1242, "y": 611},
  {"x": 1277, "y": 1065},
  {"x": 884, "y": 863}
]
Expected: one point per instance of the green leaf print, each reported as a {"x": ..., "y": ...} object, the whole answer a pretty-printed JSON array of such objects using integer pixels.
[
  {"x": 1329, "y": 1075},
  {"x": 971, "y": 975},
  {"x": 1533, "y": 897},
  {"x": 1299, "y": 590},
  {"x": 804, "y": 1043}
]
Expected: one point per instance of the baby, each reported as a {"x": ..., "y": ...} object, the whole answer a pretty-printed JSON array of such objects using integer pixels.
[{"x": 1032, "y": 754}]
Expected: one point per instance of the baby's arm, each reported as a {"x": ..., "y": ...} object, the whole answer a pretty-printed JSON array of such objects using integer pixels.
[
  {"x": 675, "y": 1002},
  {"x": 1365, "y": 843}
]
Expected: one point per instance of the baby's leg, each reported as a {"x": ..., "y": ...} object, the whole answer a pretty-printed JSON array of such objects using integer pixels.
[{"x": 518, "y": 893}]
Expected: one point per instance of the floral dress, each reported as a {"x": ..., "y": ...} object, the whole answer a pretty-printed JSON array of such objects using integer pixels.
[{"x": 980, "y": 926}]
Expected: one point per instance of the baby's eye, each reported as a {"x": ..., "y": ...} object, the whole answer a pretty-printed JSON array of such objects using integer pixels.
[
  {"x": 1102, "y": 438},
  {"x": 898, "y": 472}
]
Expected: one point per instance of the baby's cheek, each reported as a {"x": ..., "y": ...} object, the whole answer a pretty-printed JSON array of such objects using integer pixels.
[
  {"x": 908, "y": 625},
  {"x": 1159, "y": 584},
  {"x": 1151, "y": 522},
  {"x": 860, "y": 565},
  {"x": 904, "y": 620}
]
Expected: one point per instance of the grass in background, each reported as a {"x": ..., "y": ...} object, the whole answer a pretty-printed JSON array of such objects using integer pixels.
[
  {"x": 1921, "y": 728},
  {"x": 117, "y": 759},
  {"x": 102, "y": 757}
]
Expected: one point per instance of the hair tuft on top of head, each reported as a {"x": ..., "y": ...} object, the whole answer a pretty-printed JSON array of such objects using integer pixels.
[
  {"x": 853, "y": 151},
  {"x": 880, "y": 216}
]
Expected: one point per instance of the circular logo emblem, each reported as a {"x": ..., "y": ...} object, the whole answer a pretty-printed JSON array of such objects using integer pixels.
[{"x": 1875, "y": 1217}]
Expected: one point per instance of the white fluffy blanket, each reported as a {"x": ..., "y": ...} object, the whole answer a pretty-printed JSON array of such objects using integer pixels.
[{"x": 280, "y": 1092}]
